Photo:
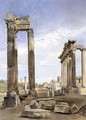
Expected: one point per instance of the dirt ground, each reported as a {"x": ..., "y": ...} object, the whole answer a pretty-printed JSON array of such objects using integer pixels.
[{"x": 14, "y": 114}]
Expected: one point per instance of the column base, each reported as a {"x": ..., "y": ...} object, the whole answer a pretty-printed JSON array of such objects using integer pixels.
[
  {"x": 11, "y": 101},
  {"x": 72, "y": 90},
  {"x": 82, "y": 91},
  {"x": 32, "y": 93}
]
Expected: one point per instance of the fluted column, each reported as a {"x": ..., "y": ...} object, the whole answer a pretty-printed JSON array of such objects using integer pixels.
[
  {"x": 31, "y": 60},
  {"x": 83, "y": 61}
]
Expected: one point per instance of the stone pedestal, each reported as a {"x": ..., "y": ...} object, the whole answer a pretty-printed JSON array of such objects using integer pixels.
[
  {"x": 72, "y": 90},
  {"x": 9, "y": 101}
]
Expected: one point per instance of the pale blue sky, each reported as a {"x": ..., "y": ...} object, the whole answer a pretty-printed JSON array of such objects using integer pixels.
[{"x": 54, "y": 22}]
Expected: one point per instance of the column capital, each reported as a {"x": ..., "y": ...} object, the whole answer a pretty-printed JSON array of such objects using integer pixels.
[
  {"x": 83, "y": 49},
  {"x": 30, "y": 30},
  {"x": 10, "y": 24}
]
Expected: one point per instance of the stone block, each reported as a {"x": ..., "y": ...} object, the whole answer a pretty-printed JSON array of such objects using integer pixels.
[
  {"x": 42, "y": 94},
  {"x": 36, "y": 113},
  {"x": 82, "y": 91},
  {"x": 44, "y": 99},
  {"x": 74, "y": 91},
  {"x": 62, "y": 107},
  {"x": 74, "y": 108},
  {"x": 33, "y": 105},
  {"x": 47, "y": 105},
  {"x": 9, "y": 101}
]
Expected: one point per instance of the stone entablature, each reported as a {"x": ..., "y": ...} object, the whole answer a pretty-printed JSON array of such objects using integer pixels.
[
  {"x": 15, "y": 24},
  {"x": 68, "y": 64}
]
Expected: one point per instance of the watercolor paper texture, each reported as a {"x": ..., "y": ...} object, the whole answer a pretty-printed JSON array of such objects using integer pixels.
[{"x": 42, "y": 29}]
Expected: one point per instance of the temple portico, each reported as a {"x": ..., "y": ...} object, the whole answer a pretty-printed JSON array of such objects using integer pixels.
[{"x": 68, "y": 67}]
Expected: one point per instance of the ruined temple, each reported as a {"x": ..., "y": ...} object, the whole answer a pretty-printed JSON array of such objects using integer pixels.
[
  {"x": 15, "y": 24},
  {"x": 68, "y": 67}
]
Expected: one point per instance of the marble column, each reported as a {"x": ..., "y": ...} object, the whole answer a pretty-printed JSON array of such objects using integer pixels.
[
  {"x": 31, "y": 60},
  {"x": 83, "y": 61},
  {"x": 10, "y": 57}
]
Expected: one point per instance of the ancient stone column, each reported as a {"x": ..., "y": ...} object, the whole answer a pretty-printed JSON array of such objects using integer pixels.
[
  {"x": 62, "y": 76},
  {"x": 10, "y": 56},
  {"x": 62, "y": 73},
  {"x": 68, "y": 72},
  {"x": 65, "y": 72},
  {"x": 16, "y": 63},
  {"x": 31, "y": 60},
  {"x": 83, "y": 61},
  {"x": 73, "y": 70}
]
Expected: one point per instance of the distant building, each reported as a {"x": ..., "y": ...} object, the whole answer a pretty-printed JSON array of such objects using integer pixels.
[
  {"x": 45, "y": 84},
  {"x": 55, "y": 87}
]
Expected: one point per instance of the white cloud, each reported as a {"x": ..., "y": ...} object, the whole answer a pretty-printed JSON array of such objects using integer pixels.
[{"x": 47, "y": 49}]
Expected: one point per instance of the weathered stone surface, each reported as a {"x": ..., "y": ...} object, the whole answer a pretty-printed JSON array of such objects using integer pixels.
[
  {"x": 74, "y": 108},
  {"x": 33, "y": 105},
  {"x": 42, "y": 94},
  {"x": 17, "y": 100},
  {"x": 44, "y": 99},
  {"x": 9, "y": 101},
  {"x": 83, "y": 111},
  {"x": 82, "y": 91},
  {"x": 47, "y": 105},
  {"x": 36, "y": 113},
  {"x": 62, "y": 107},
  {"x": 15, "y": 24}
]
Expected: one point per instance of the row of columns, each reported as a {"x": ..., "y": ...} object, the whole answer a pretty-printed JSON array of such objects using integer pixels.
[
  {"x": 68, "y": 70},
  {"x": 83, "y": 61},
  {"x": 12, "y": 61},
  {"x": 68, "y": 67}
]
